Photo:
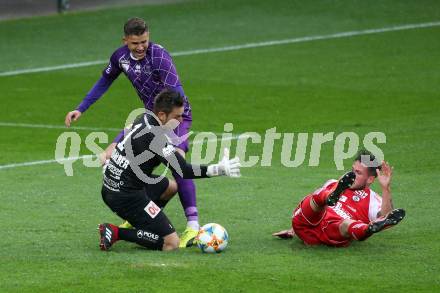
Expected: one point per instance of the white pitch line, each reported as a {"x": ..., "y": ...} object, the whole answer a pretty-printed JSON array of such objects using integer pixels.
[
  {"x": 242, "y": 46},
  {"x": 48, "y": 126},
  {"x": 52, "y": 68},
  {"x": 51, "y": 126},
  {"x": 24, "y": 164},
  {"x": 42, "y": 162},
  {"x": 193, "y": 52}
]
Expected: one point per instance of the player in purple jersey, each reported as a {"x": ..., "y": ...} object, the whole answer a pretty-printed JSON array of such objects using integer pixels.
[{"x": 150, "y": 69}]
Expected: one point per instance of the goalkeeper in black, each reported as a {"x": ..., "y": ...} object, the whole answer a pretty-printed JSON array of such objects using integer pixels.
[{"x": 134, "y": 193}]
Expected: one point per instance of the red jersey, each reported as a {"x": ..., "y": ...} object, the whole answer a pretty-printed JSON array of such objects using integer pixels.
[
  {"x": 362, "y": 205},
  {"x": 359, "y": 205}
]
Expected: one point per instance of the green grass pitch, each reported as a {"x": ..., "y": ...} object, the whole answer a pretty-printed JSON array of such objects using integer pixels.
[{"x": 387, "y": 82}]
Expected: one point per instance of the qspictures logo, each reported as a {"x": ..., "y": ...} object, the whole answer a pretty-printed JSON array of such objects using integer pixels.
[{"x": 296, "y": 148}]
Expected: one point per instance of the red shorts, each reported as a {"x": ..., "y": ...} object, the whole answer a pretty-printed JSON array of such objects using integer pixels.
[{"x": 315, "y": 228}]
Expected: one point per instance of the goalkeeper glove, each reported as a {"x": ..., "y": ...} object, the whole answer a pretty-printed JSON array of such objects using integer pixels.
[{"x": 226, "y": 167}]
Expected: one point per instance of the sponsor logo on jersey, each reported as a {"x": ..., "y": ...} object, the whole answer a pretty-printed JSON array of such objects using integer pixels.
[
  {"x": 109, "y": 68},
  {"x": 137, "y": 69},
  {"x": 114, "y": 170},
  {"x": 147, "y": 69},
  {"x": 119, "y": 160},
  {"x": 168, "y": 151},
  {"x": 125, "y": 64},
  {"x": 340, "y": 212},
  {"x": 356, "y": 198},
  {"x": 110, "y": 184},
  {"x": 361, "y": 194}
]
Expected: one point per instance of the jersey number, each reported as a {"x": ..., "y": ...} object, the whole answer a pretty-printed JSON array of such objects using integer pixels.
[{"x": 121, "y": 144}]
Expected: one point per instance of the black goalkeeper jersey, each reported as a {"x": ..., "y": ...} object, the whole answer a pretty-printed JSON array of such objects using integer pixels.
[{"x": 145, "y": 147}]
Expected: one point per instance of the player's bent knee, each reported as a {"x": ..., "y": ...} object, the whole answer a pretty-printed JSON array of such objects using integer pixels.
[
  {"x": 171, "y": 242},
  {"x": 343, "y": 227},
  {"x": 172, "y": 187},
  {"x": 170, "y": 191}
]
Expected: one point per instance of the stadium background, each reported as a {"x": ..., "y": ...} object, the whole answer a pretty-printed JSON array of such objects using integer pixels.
[{"x": 387, "y": 82}]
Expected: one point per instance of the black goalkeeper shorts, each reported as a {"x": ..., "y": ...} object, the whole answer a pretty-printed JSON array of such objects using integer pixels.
[{"x": 138, "y": 207}]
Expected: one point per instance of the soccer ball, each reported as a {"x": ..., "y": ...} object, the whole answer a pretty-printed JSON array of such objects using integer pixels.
[{"x": 212, "y": 238}]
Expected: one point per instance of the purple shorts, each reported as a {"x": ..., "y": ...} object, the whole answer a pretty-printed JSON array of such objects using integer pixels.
[{"x": 182, "y": 130}]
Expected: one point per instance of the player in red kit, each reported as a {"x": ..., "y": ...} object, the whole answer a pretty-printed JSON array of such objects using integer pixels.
[{"x": 347, "y": 209}]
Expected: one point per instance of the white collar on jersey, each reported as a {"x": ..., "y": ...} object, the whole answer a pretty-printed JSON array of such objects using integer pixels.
[{"x": 134, "y": 58}]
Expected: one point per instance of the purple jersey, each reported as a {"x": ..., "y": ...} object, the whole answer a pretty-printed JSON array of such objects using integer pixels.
[{"x": 149, "y": 76}]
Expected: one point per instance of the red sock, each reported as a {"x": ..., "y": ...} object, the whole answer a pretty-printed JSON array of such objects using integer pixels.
[
  {"x": 358, "y": 230},
  {"x": 320, "y": 198},
  {"x": 312, "y": 216}
]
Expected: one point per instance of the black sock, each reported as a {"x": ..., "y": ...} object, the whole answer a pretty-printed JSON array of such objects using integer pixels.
[{"x": 144, "y": 238}]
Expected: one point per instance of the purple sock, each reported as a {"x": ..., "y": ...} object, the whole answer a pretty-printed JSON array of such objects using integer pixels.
[{"x": 187, "y": 195}]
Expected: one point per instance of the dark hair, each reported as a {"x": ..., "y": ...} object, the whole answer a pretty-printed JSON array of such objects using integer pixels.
[
  {"x": 135, "y": 26},
  {"x": 367, "y": 158},
  {"x": 167, "y": 100}
]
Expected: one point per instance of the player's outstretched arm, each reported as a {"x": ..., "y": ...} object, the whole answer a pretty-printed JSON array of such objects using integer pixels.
[
  {"x": 226, "y": 167},
  {"x": 72, "y": 115},
  {"x": 384, "y": 176},
  {"x": 100, "y": 87},
  {"x": 284, "y": 234}
]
